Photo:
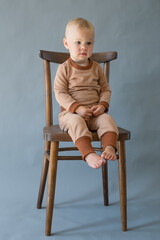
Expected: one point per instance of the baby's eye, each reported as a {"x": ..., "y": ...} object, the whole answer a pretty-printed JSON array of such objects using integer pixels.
[
  {"x": 89, "y": 43},
  {"x": 78, "y": 42}
]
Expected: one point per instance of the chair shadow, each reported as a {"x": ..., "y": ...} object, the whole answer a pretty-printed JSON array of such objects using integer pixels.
[
  {"x": 86, "y": 226},
  {"x": 149, "y": 224},
  {"x": 93, "y": 225},
  {"x": 79, "y": 199},
  {"x": 84, "y": 199}
]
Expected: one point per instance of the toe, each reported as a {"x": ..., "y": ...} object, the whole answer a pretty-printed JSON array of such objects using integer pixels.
[{"x": 103, "y": 154}]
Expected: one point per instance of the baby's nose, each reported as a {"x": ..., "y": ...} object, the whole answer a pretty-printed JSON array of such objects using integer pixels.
[{"x": 84, "y": 46}]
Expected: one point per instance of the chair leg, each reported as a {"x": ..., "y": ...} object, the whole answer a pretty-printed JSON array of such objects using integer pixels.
[
  {"x": 122, "y": 184},
  {"x": 43, "y": 177},
  {"x": 51, "y": 185},
  {"x": 105, "y": 183}
]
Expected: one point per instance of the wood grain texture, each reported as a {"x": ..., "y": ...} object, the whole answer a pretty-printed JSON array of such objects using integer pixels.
[
  {"x": 122, "y": 184},
  {"x": 54, "y": 133},
  {"x": 60, "y": 57}
]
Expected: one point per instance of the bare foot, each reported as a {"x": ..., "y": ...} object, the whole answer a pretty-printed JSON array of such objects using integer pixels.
[
  {"x": 109, "y": 153},
  {"x": 94, "y": 160}
]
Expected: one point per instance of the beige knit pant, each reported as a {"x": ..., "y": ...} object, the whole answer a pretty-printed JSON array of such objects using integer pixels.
[{"x": 79, "y": 130}]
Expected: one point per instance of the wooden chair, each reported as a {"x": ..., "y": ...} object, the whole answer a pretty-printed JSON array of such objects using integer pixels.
[{"x": 53, "y": 135}]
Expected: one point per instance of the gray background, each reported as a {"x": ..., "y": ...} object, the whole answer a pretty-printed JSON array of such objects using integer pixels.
[{"x": 132, "y": 28}]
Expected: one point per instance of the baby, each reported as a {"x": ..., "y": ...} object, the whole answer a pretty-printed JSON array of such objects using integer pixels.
[{"x": 83, "y": 93}]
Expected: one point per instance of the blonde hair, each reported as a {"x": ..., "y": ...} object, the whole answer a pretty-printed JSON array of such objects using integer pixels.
[{"x": 81, "y": 23}]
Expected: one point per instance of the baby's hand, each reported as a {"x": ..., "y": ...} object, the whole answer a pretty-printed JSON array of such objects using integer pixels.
[
  {"x": 98, "y": 110},
  {"x": 84, "y": 112}
]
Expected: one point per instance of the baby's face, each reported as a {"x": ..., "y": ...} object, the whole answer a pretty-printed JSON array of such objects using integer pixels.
[{"x": 80, "y": 44}]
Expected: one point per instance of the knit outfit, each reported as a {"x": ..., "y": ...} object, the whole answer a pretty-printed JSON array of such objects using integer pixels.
[{"x": 75, "y": 86}]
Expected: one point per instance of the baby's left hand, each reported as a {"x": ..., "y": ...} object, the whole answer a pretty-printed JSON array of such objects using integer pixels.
[{"x": 98, "y": 110}]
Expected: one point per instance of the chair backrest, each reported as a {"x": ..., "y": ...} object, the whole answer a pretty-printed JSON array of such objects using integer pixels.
[{"x": 60, "y": 57}]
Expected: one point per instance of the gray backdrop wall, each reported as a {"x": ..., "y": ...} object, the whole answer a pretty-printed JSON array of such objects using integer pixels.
[{"x": 129, "y": 27}]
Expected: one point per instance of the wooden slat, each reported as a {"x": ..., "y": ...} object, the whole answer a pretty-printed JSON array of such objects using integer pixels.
[
  {"x": 60, "y": 57},
  {"x": 56, "y": 57},
  {"x": 48, "y": 92},
  {"x": 69, "y": 158},
  {"x": 105, "y": 183},
  {"x": 122, "y": 184},
  {"x": 51, "y": 186},
  {"x": 104, "y": 57},
  {"x": 47, "y": 155},
  {"x": 75, "y": 149}
]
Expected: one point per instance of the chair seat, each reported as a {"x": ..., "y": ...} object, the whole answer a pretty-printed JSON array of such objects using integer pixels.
[{"x": 54, "y": 133}]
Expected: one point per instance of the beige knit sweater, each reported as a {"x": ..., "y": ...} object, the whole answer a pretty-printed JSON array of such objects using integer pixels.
[{"x": 75, "y": 85}]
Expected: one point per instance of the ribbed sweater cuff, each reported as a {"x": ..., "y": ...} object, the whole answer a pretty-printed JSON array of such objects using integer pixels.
[
  {"x": 105, "y": 104},
  {"x": 73, "y": 107}
]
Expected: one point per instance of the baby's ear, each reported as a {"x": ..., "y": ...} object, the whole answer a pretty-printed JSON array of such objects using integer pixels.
[{"x": 65, "y": 43}]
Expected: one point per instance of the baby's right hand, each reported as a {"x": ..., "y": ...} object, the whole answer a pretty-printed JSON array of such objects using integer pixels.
[{"x": 84, "y": 112}]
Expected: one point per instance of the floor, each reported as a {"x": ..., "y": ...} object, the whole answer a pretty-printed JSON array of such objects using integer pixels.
[{"x": 79, "y": 213}]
